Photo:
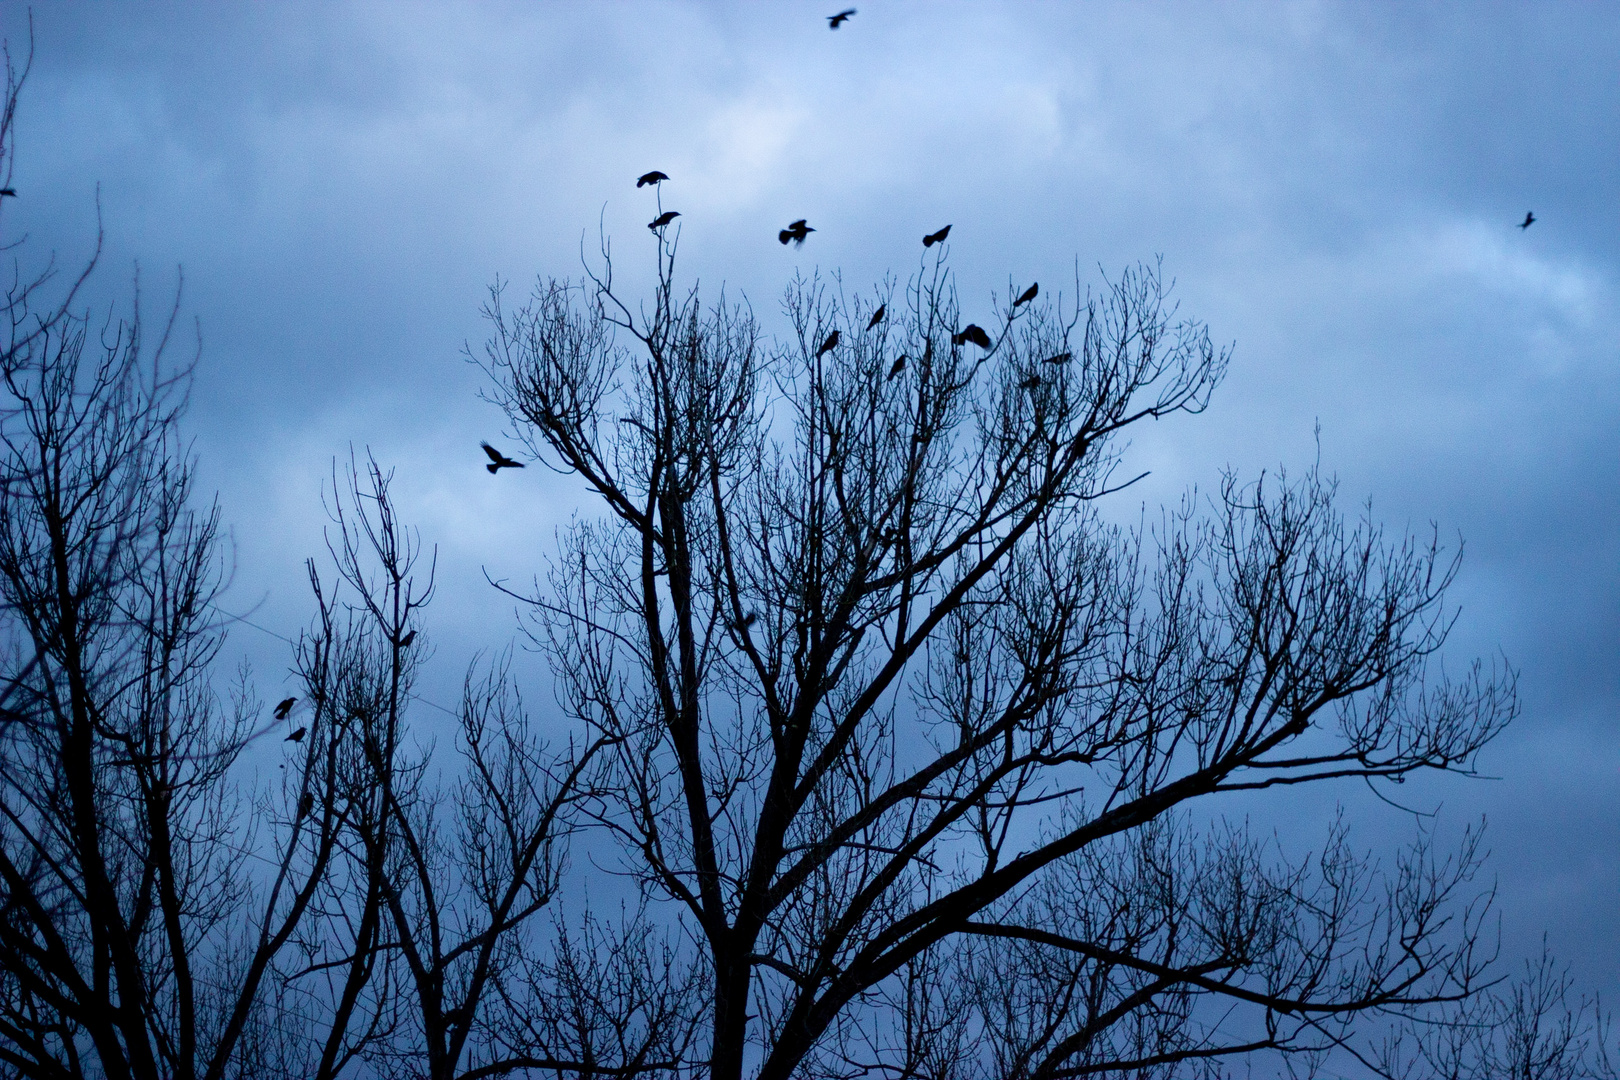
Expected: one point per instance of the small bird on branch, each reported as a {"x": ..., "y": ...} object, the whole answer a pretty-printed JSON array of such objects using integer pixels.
[
  {"x": 405, "y": 642},
  {"x": 1060, "y": 358},
  {"x": 828, "y": 346},
  {"x": 8, "y": 191},
  {"x": 835, "y": 21},
  {"x": 654, "y": 177},
  {"x": 898, "y": 366},
  {"x": 663, "y": 219},
  {"x": 284, "y": 707},
  {"x": 1028, "y": 295},
  {"x": 297, "y": 736},
  {"x": 877, "y": 316},
  {"x": 935, "y": 238},
  {"x": 498, "y": 460}
]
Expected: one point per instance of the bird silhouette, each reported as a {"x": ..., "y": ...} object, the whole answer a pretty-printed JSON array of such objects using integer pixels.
[
  {"x": 877, "y": 316},
  {"x": 835, "y": 21},
  {"x": 498, "y": 460},
  {"x": 972, "y": 332},
  {"x": 306, "y": 804},
  {"x": 405, "y": 642},
  {"x": 297, "y": 736},
  {"x": 795, "y": 232},
  {"x": 1529, "y": 220},
  {"x": 828, "y": 346},
  {"x": 663, "y": 219},
  {"x": 898, "y": 366},
  {"x": 747, "y": 620},
  {"x": 1060, "y": 358},
  {"x": 654, "y": 177},
  {"x": 934, "y": 238},
  {"x": 1030, "y": 383},
  {"x": 1028, "y": 295},
  {"x": 8, "y": 191},
  {"x": 284, "y": 708}
]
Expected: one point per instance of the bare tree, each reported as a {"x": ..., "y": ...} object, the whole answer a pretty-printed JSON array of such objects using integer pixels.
[{"x": 912, "y": 744}]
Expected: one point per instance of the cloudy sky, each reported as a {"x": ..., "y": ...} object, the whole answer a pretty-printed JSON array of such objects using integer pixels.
[{"x": 1335, "y": 189}]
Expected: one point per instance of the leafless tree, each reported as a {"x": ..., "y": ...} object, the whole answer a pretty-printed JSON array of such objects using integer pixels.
[{"x": 913, "y": 745}]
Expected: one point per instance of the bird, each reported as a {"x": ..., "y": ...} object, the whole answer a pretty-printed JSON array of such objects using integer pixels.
[
  {"x": 297, "y": 736},
  {"x": 654, "y": 177},
  {"x": 877, "y": 316},
  {"x": 1529, "y": 220},
  {"x": 306, "y": 804},
  {"x": 795, "y": 232},
  {"x": 498, "y": 460},
  {"x": 835, "y": 21},
  {"x": 1060, "y": 358},
  {"x": 1030, "y": 383},
  {"x": 934, "y": 238},
  {"x": 285, "y": 707},
  {"x": 1028, "y": 295},
  {"x": 663, "y": 219},
  {"x": 8, "y": 191},
  {"x": 405, "y": 642},
  {"x": 828, "y": 346},
  {"x": 972, "y": 332},
  {"x": 898, "y": 366}
]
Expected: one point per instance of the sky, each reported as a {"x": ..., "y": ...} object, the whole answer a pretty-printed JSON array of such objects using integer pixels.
[{"x": 1335, "y": 189}]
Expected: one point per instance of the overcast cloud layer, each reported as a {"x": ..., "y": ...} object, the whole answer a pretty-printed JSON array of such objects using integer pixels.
[{"x": 1335, "y": 189}]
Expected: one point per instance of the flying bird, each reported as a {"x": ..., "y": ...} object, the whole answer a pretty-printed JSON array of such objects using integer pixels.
[
  {"x": 663, "y": 219},
  {"x": 284, "y": 708},
  {"x": 498, "y": 460},
  {"x": 1529, "y": 220},
  {"x": 877, "y": 316},
  {"x": 898, "y": 366},
  {"x": 654, "y": 177},
  {"x": 828, "y": 346},
  {"x": 8, "y": 191},
  {"x": 835, "y": 21},
  {"x": 1060, "y": 358},
  {"x": 972, "y": 332},
  {"x": 1030, "y": 383},
  {"x": 1028, "y": 295},
  {"x": 934, "y": 238},
  {"x": 795, "y": 232},
  {"x": 297, "y": 736},
  {"x": 747, "y": 620}
]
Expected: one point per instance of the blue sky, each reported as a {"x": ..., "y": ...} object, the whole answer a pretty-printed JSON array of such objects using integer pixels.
[{"x": 1334, "y": 188}]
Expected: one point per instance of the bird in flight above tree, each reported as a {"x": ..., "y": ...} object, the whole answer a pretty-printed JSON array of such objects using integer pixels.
[
  {"x": 498, "y": 460},
  {"x": 934, "y": 238},
  {"x": 663, "y": 219},
  {"x": 285, "y": 707},
  {"x": 828, "y": 346},
  {"x": 972, "y": 332},
  {"x": 654, "y": 177},
  {"x": 877, "y": 316},
  {"x": 835, "y": 21},
  {"x": 1028, "y": 295},
  {"x": 1529, "y": 220},
  {"x": 795, "y": 232}
]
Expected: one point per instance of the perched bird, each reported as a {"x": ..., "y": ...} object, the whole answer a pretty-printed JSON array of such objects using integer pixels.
[
  {"x": 306, "y": 804},
  {"x": 8, "y": 191},
  {"x": 1529, "y": 220},
  {"x": 663, "y": 219},
  {"x": 898, "y": 366},
  {"x": 795, "y": 232},
  {"x": 972, "y": 332},
  {"x": 934, "y": 238},
  {"x": 1060, "y": 358},
  {"x": 284, "y": 708},
  {"x": 828, "y": 346},
  {"x": 654, "y": 177},
  {"x": 1028, "y": 295},
  {"x": 877, "y": 316},
  {"x": 498, "y": 460},
  {"x": 405, "y": 642},
  {"x": 297, "y": 736},
  {"x": 1030, "y": 383},
  {"x": 835, "y": 21}
]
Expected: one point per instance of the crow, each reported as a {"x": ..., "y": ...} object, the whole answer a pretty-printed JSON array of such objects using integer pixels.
[
  {"x": 795, "y": 232},
  {"x": 1529, "y": 219},
  {"x": 297, "y": 736},
  {"x": 284, "y": 708},
  {"x": 306, "y": 804},
  {"x": 1060, "y": 358},
  {"x": 877, "y": 316},
  {"x": 663, "y": 219},
  {"x": 654, "y": 177},
  {"x": 934, "y": 238},
  {"x": 498, "y": 460},
  {"x": 405, "y": 642},
  {"x": 828, "y": 346},
  {"x": 747, "y": 620},
  {"x": 898, "y": 366},
  {"x": 974, "y": 333},
  {"x": 1028, "y": 295},
  {"x": 8, "y": 191},
  {"x": 835, "y": 21},
  {"x": 1030, "y": 383}
]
